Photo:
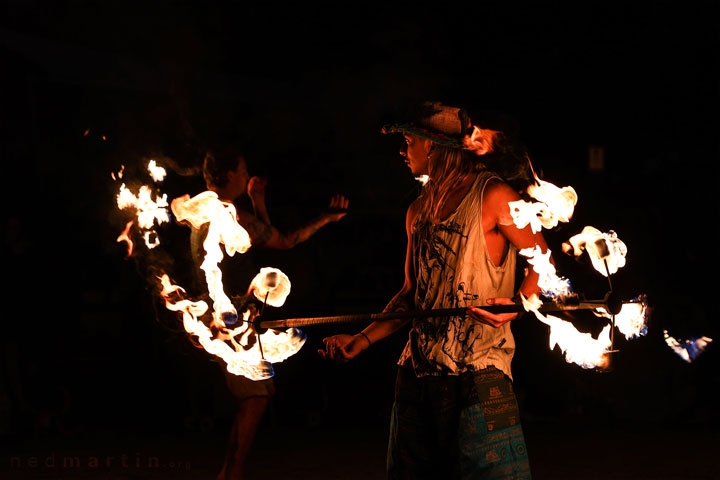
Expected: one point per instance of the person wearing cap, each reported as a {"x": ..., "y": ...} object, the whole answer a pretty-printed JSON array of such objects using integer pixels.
[
  {"x": 226, "y": 173},
  {"x": 455, "y": 413}
]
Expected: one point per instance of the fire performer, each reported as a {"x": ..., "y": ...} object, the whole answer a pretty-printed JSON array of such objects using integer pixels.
[
  {"x": 455, "y": 413},
  {"x": 226, "y": 174}
]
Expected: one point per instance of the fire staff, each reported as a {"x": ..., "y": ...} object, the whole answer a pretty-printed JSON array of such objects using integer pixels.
[{"x": 455, "y": 413}]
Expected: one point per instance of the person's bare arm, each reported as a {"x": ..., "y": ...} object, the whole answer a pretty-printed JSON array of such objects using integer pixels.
[
  {"x": 496, "y": 204},
  {"x": 343, "y": 348},
  {"x": 256, "y": 192},
  {"x": 266, "y": 236}
]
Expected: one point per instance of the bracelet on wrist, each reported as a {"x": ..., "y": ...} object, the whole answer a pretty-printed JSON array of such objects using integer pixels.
[{"x": 366, "y": 338}]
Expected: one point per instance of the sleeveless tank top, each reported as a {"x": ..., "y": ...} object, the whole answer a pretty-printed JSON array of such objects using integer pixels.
[{"x": 452, "y": 268}]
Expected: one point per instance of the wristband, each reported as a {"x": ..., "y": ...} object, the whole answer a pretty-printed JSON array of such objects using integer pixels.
[{"x": 366, "y": 338}]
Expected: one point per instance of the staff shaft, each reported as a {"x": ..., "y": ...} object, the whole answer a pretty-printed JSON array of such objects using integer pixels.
[{"x": 442, "y": 312}]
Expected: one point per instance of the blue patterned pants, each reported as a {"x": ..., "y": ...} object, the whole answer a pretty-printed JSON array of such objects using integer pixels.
[{"x": 456, "y": 427}]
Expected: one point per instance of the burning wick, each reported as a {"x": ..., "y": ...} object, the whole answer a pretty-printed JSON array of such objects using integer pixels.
[
  {"x": 271, "y": 286},
  {"x": 632, "y": 319},
  {"x": 606, "y": 251}
]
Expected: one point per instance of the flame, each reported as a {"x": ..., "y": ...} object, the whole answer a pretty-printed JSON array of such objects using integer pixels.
[
  {"x": 223, "y": 229},
  {"x": 577, "y": 347},
  {"x": 607, "y": 252},
  {"x": 234, "y": 346},
  {"x": 631, "y": 321},
  {"x": 119, "y": 174},
  {"x": 238, "y": 360},
  {"x": 149, "y": 210},
  {"x": 423, "y": 179},
  {"x": 481, "y": 140},
  {"x": 689, "y": 349},
  {"x": 125, "y": 237},
  {"x": 554, "y": 205},
  {"x": 271, "y": 286},
  {"x": 156, "y": 172},
  {"x": 550, "y": 283}
]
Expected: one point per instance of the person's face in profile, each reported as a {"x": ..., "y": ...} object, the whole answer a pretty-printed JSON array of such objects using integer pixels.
[{"x": 238, "y": 178}]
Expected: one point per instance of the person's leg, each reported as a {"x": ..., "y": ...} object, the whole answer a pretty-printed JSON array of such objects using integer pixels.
[
  {"x": 245, "y": 425},
  {"x": 253, "y": 399},
  {"x": 410, "y": 452},
  {"x": 490, "y": 439}
]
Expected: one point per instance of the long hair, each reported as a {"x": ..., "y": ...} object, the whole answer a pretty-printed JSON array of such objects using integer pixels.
[{"x": 448, "y": 166}]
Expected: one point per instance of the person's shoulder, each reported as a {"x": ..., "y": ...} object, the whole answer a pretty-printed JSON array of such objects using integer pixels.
[
  {"x": 412, "y": 212},
  {"x": 497, "y": 189}
]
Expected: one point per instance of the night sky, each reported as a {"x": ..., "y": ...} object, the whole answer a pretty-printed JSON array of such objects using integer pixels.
[{"x": 89, "y": 87}]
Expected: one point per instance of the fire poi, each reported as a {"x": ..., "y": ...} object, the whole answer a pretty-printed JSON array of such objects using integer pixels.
[
  {"x": 229, "y": 334},
  {"x": 249, "y": 345}
]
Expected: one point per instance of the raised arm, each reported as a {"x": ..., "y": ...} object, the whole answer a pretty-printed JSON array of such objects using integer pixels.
[
  {"x": 264, "y": 235},
  {"x": 343, "y": 348}
]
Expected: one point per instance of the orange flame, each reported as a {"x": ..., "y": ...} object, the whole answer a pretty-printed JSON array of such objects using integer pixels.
[
  {"x": 481, "y": 140},
  {"x": 549, "y": 282},
  {"x": 577, "y": 347},
  {"x": 223, "y": 229},
  {"x": 125, "y": 237},
  {"x": 149, "y": 210},
  {"x": 554, "y": 205},
  {"x": 234, "y": 345}
]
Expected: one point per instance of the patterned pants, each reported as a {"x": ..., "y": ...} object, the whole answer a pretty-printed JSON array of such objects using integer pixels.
[{"x": 456, "y": 427}]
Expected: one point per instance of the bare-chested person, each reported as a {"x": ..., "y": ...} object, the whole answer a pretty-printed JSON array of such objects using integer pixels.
[{"x": 226, "y": 174}]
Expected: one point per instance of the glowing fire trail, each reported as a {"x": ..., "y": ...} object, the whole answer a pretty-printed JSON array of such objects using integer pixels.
[
  {"x": 689, "y": 349},
  {"x": 234, "y": 345},
  {"x": 579, "y": 348},
  {"x": 149, "y": 211},
  {"x": 554, "y": 205},
  {"x": 223, "y": 229}
]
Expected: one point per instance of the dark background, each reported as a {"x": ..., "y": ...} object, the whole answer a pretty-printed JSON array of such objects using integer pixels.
[{"x": 89, "y": 353}]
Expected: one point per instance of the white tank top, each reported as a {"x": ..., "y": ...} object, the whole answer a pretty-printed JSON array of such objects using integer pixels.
[{"x": 452, "y": 269}]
